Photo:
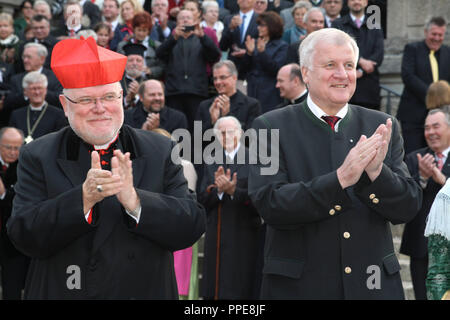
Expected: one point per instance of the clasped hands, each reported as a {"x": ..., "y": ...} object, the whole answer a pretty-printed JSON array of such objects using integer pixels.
[
  {"x": 117, "y": 182},
  {"x": 219, "y": 108},
  {"x": 224, "y": 182},
  {"x": 428, "y": 169},
  {"x": 367, "y": 155}
]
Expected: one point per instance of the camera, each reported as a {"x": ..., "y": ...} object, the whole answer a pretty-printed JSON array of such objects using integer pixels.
[{"x": 188, "y": 28}]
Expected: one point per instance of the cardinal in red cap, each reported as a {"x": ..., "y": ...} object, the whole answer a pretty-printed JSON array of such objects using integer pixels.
[{"x": 99, "y": 204}]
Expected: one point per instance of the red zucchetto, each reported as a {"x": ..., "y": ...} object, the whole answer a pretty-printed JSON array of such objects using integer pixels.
[{"x": 81, "y": 63}]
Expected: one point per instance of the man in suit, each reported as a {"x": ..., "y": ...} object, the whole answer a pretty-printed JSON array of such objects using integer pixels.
[
  {"x": 110, "y": 13},
  {"x": 229, "y": 101},
  {"x": 371, "y": 52},
  {"x": 73, "y": 11},
  {"x": 38, "y": 118},
  {"x": 34, "y": 56},
  {"x": 162, "y": 25},
  {"x": 291, "y": 86},
  {"x": 340, "y": 180},
  {"x": 151, "y": 111},
  {"x": 417, "y": 75},
  {"x": 41, "y": 34},
  {"x": 332, "y": 11},
  {"x": 430, "y": 168},
  {"x": 14, "y": 264},
  {"x": 237, "y": 28},
  {"x": 232, "y": 240},
  {"x": 99, "y": 205}
]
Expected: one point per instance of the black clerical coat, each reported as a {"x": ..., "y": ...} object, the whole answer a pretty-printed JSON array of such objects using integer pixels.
[
  {"x": 232, "y": 239},
  {"x": 112, "y": 258},
  {"x": 169, "y": 119},
  {"x": 324, "y": 242}
]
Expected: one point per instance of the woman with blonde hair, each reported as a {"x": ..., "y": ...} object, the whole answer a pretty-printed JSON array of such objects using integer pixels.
[
  {"x": 124, "y": 31},
  {"x": 9, "y": 42},
  {"x": 438, "y": 96}
]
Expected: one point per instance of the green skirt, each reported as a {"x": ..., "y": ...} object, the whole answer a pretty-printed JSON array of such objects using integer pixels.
[{"x": 438, "y": 278}]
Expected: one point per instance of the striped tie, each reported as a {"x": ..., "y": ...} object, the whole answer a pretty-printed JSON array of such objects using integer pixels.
[{"x": 331, "y": 120}]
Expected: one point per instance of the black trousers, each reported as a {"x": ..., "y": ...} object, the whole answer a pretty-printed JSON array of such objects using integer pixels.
[
  {"x": 419, "y": 269},
  {"x": 186, "y": 103},
  {"x": 14, "y": 272}
]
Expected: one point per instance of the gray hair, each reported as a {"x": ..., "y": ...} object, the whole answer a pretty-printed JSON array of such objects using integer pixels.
[
  {"x": 237, "y": 124},
  {"x": 166, "y": 2},
  {"x": 444, "y": 110},
  {"x": 209, "y": 4},
  {"x": 299, "y": 5},
  {"x": 42, "y": 3},
  {"x": 330, "y": 36},
  {"x": 34, "y": 77},
  {"x": 226, "y": 63},
  {"x": 41, "y": 49},
  {"x": 435, "y": 21},
  {"x": 4, "y": 129},
  {"x": 87, "y": 33},
  {"x": 308, "y": 13}
]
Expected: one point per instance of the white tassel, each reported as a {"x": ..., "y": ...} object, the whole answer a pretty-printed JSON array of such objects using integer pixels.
[{"x": 438, "y": 221}]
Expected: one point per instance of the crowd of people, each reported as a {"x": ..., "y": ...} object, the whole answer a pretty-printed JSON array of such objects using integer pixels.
[{"x": 298, "y": 67}]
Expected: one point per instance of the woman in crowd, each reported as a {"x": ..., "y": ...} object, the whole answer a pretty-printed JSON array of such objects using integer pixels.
[
  {"x": 264, "y": 57},
  {"x": 9, "y": 42},
  {"x": 438, "y": 96},
  {"x": 438, "y": 232},
  {"x": 211, "y": 17},
  {"x": 24, "y": 18},
  {"x": 124, "y": 31},
  {"x": 298, "y": 30},
  {"x": 142, "y": 26}
]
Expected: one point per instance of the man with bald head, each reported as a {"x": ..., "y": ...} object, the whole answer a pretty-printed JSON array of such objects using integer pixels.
[
  {"x": 291, "y": 86},
  {"x": 151, "y": 111},
  {"x": 14, "y": 264}
]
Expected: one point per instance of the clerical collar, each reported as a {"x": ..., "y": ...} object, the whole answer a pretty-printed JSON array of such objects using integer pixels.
[
  {"x": 107, "y": 145},
  {"x": 298, "y": 97},
  {"x": 318, "y": 112},
  {"x": 232, "y": 154},
  {"x": 37, "y": 108}
]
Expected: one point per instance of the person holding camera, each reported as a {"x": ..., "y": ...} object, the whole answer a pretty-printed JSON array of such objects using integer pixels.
[{"x": 187, "y": 52}]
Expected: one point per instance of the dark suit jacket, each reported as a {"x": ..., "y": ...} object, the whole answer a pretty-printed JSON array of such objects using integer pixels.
[
  {"x": 371, "y": 46},
  {"x": 64, "y": 31},
  {"x": 9, "y": 178},
  {"x": 169, "y": 119},
  {"x": 93, "y": 12},
  {"x": 231, "y": 38},
  {"x": 292, "y": 55},
  {"x": 48, "y": 42},
  {"x": 116, "y": 258},
  {"x": 414, "y": 243},
  {"x": 287, "y": 102},
  {"x": 242, "y": 107},
  {"x": 307, "y": 212},
  {"x": 16, "y": 98},
  {"x": 52, "y": 120},
  {"x": 238, "y": 244},
  {"x": 417, "y": 77}
]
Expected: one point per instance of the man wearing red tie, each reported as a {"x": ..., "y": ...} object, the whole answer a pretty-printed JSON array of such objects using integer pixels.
[
  {"x": 430, "y": 167},
  {"x": 98, "y": 204}
]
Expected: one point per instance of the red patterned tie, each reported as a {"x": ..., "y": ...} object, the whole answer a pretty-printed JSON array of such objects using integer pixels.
[
  {"x": 331, "y": 120},
  {"x": 440, "y": 160}
]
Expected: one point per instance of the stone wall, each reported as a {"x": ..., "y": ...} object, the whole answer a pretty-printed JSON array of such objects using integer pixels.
[{"x": 405, "y": 23}]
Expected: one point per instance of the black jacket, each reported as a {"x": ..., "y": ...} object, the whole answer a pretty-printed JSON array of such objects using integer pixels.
[
  {"x": 186, "y": 64},
  {"x": 322, "y": 239},
  {"x": 371, "y": 46},
  {"x": 115, "y": 257}
]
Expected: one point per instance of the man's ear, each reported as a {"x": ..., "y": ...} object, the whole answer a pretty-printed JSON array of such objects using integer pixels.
[
  {"x": 305, "y": 75},
  {"x": 63, "y": 101}
]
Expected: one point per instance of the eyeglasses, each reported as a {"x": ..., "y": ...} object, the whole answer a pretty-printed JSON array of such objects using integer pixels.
[
  {"x": 10, "y": 148},
  {"x": 109, "y": 97},
  {"x": 221, "y": 78}
]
